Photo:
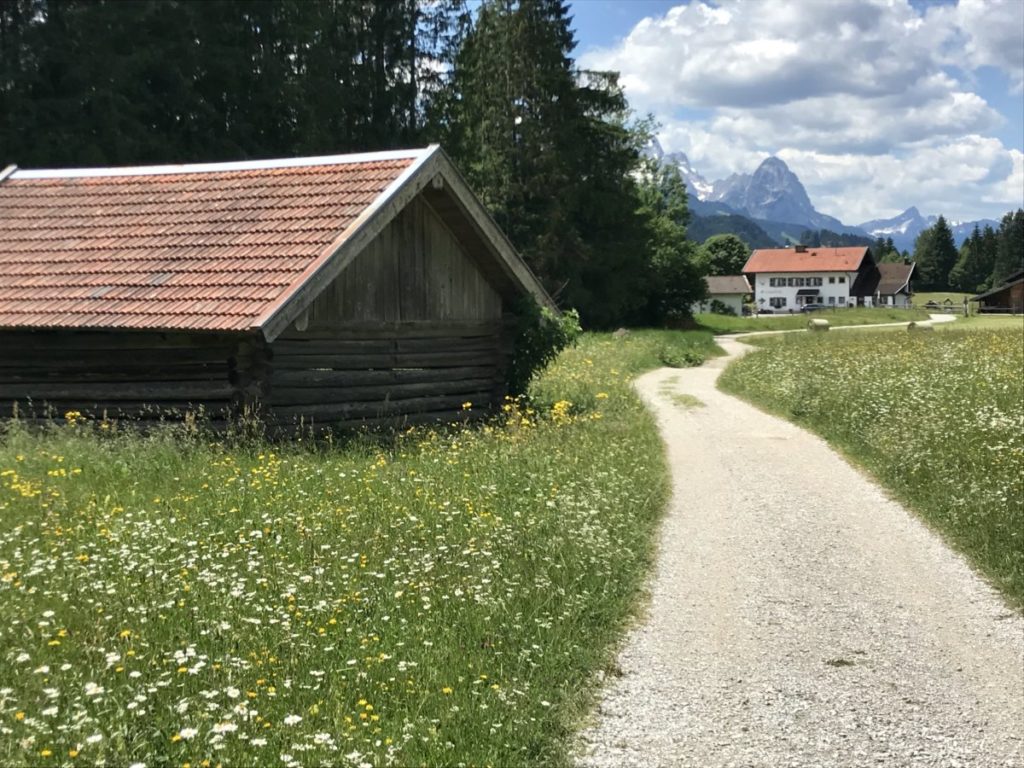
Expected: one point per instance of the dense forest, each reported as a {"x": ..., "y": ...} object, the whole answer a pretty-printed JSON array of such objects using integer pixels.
[
  {"x": 984, "y": 260},
  {"x": 552, "y": 150}
]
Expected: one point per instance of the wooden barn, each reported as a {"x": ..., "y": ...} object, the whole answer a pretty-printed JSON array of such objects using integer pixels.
[
  {"x": 1008, "y": 296},
  {"x": 328, "y": 291}
]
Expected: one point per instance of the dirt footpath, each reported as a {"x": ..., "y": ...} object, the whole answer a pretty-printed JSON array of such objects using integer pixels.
[{"x": 798, "y": 617}]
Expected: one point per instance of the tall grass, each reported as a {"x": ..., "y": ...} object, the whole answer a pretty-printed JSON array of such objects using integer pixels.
[
  {"x": 442, "y": 598},
  {"x": 937, "y": 418}
]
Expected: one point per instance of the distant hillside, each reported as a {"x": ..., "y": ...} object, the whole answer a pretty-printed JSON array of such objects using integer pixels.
[
  {"x": 782, "y": 232},
  {"x": 703, "y": 227},
  {"x": 829, "y": 239}
]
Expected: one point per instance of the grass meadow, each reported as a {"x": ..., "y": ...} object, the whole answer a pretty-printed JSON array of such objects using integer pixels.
[
  {"x": 857, "y": 316},
  {"x": 938, "y": 418},
  {"x": 442, "y": 597}
]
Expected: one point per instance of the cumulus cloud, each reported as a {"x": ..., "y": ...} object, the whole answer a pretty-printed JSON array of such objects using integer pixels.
[
  {"x": 865, "y": 100},
  {"x": 970, "y": 177}
]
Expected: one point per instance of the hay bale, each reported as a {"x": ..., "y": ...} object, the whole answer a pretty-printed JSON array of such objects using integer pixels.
[
  {"x": 817, "y": 324},
  {"x": 924, "y": 325}
]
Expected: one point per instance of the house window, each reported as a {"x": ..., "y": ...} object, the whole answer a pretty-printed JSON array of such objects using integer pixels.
[
  {"x": 800, "y": 282},
  {"x": 842, "y": 279},
  {"x": 792, "y": 281},
  {"x": 817, "y": 281},
  {"x": 831, "y": 299},
  {"x": 842, "y": 299},
  {"x": 777, "y": 301},
  {"x": 832, "y": 280}
]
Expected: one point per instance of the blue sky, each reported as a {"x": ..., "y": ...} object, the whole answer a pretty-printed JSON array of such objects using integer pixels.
[{"x": 877, "y": 105}]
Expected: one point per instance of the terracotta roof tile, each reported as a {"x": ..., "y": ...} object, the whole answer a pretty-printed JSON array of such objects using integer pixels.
[
  {"x": 809, "y": 260},
  {"x": 201, "y": 247}
]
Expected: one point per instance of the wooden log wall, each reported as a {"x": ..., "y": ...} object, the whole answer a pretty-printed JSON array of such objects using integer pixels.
[
  {"x": 416, "y": 270},
  {"x": 136, "y": 375},
  {"x": 394, "y": 373}
]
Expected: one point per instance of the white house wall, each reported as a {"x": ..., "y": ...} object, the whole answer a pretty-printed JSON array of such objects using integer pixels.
[
  {"x": 831, "y": 292},
  {"x": 733, "y": 301}
]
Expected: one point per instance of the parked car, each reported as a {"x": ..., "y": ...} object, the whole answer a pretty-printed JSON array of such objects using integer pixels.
[{"x": 812, "y": 307}]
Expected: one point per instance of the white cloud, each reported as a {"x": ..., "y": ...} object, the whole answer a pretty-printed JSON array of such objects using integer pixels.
[
  {"x": 995, "y": 35},
  {"x": 865, "y": 100}
]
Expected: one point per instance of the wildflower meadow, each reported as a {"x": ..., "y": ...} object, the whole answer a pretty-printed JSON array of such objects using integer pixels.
[
  {"x": 444, "y": 596},
  {"x": 938, "y": 418}
]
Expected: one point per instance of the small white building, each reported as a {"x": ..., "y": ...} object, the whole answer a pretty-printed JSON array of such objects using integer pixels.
[
  {"x": 788, "y": 279},
  {"x": 730, "y": 290},
  {"x": 894, "y": 284}
]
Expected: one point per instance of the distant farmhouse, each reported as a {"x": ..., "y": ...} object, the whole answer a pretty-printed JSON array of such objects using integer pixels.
[
  {"x": 894, "y": 284},
  {"x": 728, "y": 290},
  {"x": 1005, "y": 297},
  {"x": 788, "y": 279}
]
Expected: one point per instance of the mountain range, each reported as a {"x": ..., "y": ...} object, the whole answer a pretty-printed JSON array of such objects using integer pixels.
[{"x": 771, "y": 206}]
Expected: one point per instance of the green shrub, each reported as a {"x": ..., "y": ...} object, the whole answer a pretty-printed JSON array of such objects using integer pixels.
[{"x": 540, "y": 335}]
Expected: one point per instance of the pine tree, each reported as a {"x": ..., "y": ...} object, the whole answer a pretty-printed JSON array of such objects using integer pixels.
[
  {"x": 936, "y": 254},
  {"x": 547, "y": 149},
  {"x": 1009, "y": 256},
  {"x": 973, "y": 269}
]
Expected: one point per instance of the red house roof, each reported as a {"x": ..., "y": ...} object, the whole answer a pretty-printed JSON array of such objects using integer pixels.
[
  {"x": 809, "y": 260},
  {"x": 201, "y": 247}
]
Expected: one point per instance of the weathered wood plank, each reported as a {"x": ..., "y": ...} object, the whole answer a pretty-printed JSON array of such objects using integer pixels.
[
  {"x": 395, "y": 360},
  {"x": 348, "y": 247},
  {"x": 105, "y": 360},
  {"x": 372, "y": 330},
  {"x": 197, "y": 373},
  {"x": 317, "y": 379},
  {"x": 385, "y": 346},
  {"x": 73, "y": 341},
  {"x": 154, "y": 390}
]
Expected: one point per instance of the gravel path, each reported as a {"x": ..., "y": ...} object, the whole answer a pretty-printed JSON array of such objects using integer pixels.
[{"x": 798, "y": 617}]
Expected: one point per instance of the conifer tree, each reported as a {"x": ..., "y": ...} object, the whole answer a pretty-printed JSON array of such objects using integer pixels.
[
  {"x": 547, "y": 149},
  {"x": 936, "y": 255},
  {"x": 1010, "y": 249},
  {"x": 973, "y": 269}
]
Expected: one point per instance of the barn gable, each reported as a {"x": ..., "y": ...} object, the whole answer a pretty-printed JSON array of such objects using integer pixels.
[{"x": 333, "y": 289}]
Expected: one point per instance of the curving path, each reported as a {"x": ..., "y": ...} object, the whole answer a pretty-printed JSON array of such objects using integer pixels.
[{"x": 798, "y": 617}]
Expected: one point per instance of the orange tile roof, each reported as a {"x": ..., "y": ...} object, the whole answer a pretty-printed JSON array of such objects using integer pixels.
[
  {"x": 206, "y": 247},
  {"x": 811, "y": 260}
]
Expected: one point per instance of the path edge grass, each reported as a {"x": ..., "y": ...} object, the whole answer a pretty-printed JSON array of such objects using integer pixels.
[{"x": 868, "y": 465}]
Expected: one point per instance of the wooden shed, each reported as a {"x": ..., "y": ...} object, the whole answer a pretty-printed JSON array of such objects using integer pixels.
[
  {"x": 1007, "y": 297},
  {"x": 327, "y": 290}
]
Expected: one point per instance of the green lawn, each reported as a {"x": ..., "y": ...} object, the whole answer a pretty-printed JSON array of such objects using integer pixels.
[
  {"x": 938, "y": 418},
  {"x": 939, "y": 297},
  {"x": 730, "y": 324},
  {"x": 442, "y": 597}
]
